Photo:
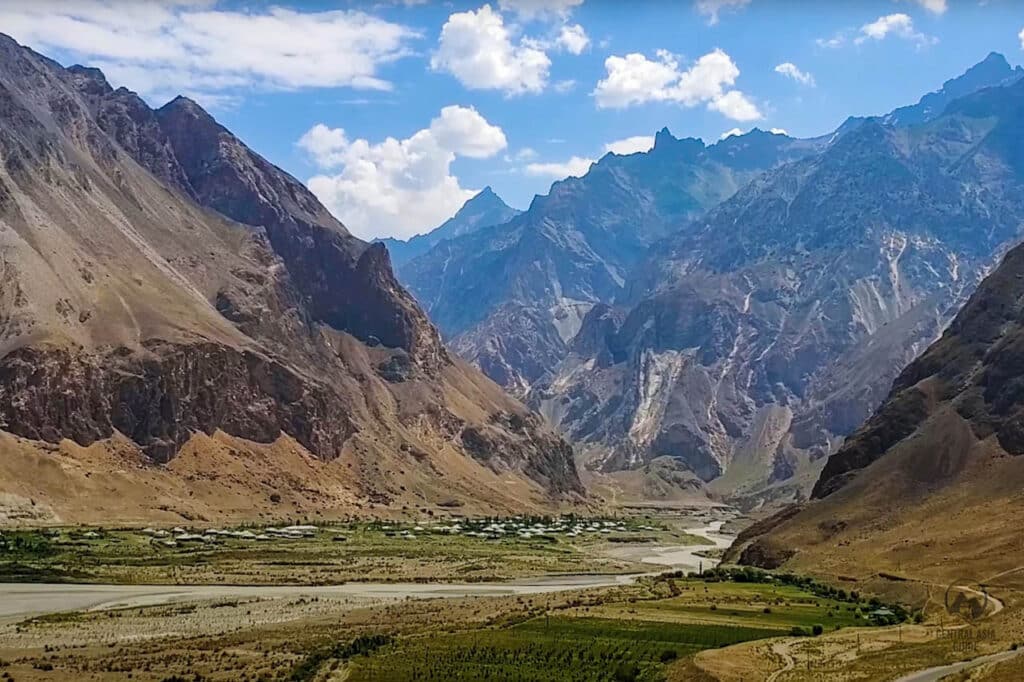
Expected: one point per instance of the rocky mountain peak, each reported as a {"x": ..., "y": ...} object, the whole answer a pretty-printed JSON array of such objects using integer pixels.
[
  {"x": 89, "y": 80},
  {"x": 992, "y": 71}
]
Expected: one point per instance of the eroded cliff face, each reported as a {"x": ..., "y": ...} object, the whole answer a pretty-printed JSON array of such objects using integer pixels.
[
  {"x": 758, "y": 337},
  {"x": 936, "y": 471},
  {"x": 161, "y": 394},
  {"x": 161, "y": 280}
]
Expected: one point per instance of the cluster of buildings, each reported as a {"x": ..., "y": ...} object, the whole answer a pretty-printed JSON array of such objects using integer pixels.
[{"x": 180, "y": 535}]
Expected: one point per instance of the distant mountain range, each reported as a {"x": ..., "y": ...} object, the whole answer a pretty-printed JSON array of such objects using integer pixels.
[
  {"x": 512, "y": 296},
  {"x": 483, "y": 210},
  {"x": 740, "y": 307},
  {"x": 196, "y": 336}
]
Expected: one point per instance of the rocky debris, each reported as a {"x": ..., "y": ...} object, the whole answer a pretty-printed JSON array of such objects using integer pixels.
[{"x": 511, "y": 441}]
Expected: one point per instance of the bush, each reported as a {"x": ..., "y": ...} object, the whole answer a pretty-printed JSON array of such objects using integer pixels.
[
  {"x": 669, "y": 655},
  {"x": 627, "y": 673},
  {"x": 817, "y": 629},
  {"x": 798, "y": 631}
]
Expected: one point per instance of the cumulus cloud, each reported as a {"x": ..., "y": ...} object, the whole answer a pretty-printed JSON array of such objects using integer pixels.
[
  {"x": 575, "y": 167},
  {"x": 713, "y": 8},
  {"x": 731, "y": 133},
  {"x": 477, "y": 48},
  {"x": 630, "y": 145},
  {"x": 635, "y": 79},
  {"x": 161, "y": 47},
  {"x": 572, "y": 38},
  {"x": 899, "y": 25},
  {"x": 735, "y": 105},
  {"x": 778, "y": 131},
  {"x": 399, "y": 187},
  {"x": 790, "y": 70}
]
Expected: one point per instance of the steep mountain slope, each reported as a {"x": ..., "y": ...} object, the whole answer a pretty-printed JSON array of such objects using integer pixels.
[
  {"x": 160, "y": 281},
  {"x": 513, "y": 295},
  {"x": 752, "y": 341},
  {"x": 483, "y": 210},
  {"x": 931, "y": 482}
]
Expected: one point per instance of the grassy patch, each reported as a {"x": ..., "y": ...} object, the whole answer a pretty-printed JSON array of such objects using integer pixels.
[
  {"x": 556, "y": 649},
  {"x": 339, "y": 553}
]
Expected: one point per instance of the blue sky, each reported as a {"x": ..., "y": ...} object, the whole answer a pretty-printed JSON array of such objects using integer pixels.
[{"x": 396, "y": 112}]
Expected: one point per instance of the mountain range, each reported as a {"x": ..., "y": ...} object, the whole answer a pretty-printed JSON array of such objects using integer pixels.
[
  {"x": 738, "y": 309},
  {"x": 185, "y": 331}
]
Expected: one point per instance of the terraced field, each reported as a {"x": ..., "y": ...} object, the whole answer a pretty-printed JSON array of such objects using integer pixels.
[{"x": 559, "y": 649}]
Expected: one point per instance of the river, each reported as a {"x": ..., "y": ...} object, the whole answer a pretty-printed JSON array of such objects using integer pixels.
[{"x": 19, "y": 601}]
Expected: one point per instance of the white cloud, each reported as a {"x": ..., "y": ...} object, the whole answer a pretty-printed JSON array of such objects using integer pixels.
[
  {"x": 790, "y": 70},
  {"x": 836, "y": 41},
  {"x": 635, "y": 79},
  {"x": 933, "y": 6},
  {"x": 165, "y": 47},
  {"x": 399, "y": 187},
  {"x": 533, "y": 9},
  {"x": 1020, "y": 36},
  {"x": 575, "y": 167},
  {"x": 476, "y": 47},
  {"x": 463, "y": 131},
  {"x": 562, "y": 87},
  {"x": 735, "y": 105},
  {"x": 899, "y": 25},
  {"x": 630, "y": 145},
  {"x": 731, "y": 133},
  {"x": 573, "y": 39},
  {"x": 713, "y": 8},
  {"x": 778, "y": 131},
  {"x": 524, "y": 154}
]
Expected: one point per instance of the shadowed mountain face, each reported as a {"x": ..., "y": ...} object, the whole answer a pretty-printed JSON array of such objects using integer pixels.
[
  {"x": 932, "y": 480},
  {"x": 159, "y": 279},
  {"x": 512, "y": 296},
  {"x": 483, "y": 210},
  {"x": 752, "y": 341}
]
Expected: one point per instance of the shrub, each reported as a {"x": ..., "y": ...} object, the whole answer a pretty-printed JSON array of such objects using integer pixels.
[
  {"x": 669, "y": 655},
  {"x": 817, "y": 629}
]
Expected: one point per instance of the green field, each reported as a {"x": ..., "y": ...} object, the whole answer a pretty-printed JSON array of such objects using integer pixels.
[
  {"x": 335, "y": 554},
  {"x": 632, "y": 636},
  {"x": 556, "y": 649}
]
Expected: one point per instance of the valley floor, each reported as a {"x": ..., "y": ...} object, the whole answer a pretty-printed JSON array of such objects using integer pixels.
[{"x": 630, "y": 624}]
